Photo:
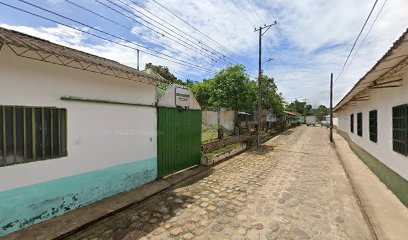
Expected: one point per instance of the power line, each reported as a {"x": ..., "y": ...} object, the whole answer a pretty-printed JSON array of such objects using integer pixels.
[
  {"x": 171, "y": 14},
  {"x": 358, "y": 36},
  {"x": 167, "y": 57},
  {"x": 243, "y": 13},
  {"x": 173, "y": 38},
  {"x": 269, "y": 10},
  {"x": 214, "y": 51},
  {"x": 197, "y": 45},
  {"x": 125, "y": 27},
  {"x": 251, "y": 3},
  {"x": 366, "y": 35},
  {"x": 187, "y": 44}
]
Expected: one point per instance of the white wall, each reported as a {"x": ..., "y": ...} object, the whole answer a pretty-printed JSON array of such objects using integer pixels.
[
  {"x": 226, "y": 118},
  {"x": 382, "y": 100},
  {"x": 169, "y": 98},
  {"x": 99, "y": 135}
]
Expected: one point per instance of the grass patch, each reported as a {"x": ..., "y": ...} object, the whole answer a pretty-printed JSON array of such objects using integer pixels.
[
  {"x": 209, "y": 133},
  {"x": 223, "y": 149}
]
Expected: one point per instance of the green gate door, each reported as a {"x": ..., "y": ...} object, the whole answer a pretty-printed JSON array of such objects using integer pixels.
[{"x": 179, "y": 139}]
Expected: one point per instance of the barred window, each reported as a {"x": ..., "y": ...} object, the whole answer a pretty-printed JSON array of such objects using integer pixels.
[
  {"x": 399, "y": 129},
  {"x": 31, "y": 134},
  {"x": 352, "y": 123},
  {"x": 360, "y": 124},
  {"x": 373, "y": 125}
]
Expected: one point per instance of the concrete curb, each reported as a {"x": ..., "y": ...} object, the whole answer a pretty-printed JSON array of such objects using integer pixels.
[
  {"x": 76, "y": 220},
  {"x": 207, "y": 160},
  {"x": 355, "y": 193},
  {"x": 385, "y": 212}
]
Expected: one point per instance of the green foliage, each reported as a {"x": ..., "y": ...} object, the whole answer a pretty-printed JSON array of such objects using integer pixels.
[
  {"x": 163, "y": 71},
  {"x": 202, "y": 92},
  {"x": 231, "y": 88},
  {"x": 272, "y": 100},
  {"x": 300, "y": 107},
  {"x": 321, "y": 112},
  {"x": 223, "y": 149}
]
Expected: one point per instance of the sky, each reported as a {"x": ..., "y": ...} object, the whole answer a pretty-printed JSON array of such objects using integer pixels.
[{"x": 311, "y": 39}]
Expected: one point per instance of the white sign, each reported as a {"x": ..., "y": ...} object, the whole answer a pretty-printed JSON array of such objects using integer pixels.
[{"x": 182, "y": 97}]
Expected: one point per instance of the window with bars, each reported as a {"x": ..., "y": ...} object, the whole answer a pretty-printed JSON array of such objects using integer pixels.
[
  {"x": 360, "y": 124},
  {"x": 373, "y": 125},
  {"x": 31, "y": 134},
  {"x": 352, "y": 123},
  {"x": 400, "y": 128}
]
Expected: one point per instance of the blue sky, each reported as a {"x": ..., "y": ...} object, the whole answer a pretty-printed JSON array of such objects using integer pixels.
[{"x": 312, "y": 38}]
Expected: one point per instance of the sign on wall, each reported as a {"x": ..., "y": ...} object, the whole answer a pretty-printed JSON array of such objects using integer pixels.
[{"x": 182, "y": 97}]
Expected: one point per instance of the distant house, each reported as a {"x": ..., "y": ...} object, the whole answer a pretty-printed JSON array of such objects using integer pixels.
[
  {"x": 373, "y": 117},
  {"x": 292, "y": 117},
  {"x": 76, "y": 128}
]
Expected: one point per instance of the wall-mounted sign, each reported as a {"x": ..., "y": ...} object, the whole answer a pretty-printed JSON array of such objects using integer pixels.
[{"x": 182, "y": 97}]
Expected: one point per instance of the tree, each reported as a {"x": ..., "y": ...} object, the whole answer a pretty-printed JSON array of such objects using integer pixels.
[
  {"x": 163, "y": 71},
  {"x": 202, "y": 92},
  {"x": 231, "y": 88},
  {"x": 300, "y": 107},
  {"x": 321, "y": 112},
  {"x": 271, "y": 99}
]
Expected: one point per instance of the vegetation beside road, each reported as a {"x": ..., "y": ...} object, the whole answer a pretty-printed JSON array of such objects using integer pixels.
[{"x": 222, "y": 150}]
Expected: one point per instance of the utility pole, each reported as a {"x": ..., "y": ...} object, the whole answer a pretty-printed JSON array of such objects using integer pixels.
[
  {"x": 304, "y": 110},
  {"x": 261, "y": 32},
  {"x": 331, "y": 107},
  {"x": 137, "y": 59}
]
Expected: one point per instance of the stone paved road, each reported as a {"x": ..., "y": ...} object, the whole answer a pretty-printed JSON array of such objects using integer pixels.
[{"x": 293, "y": 187}]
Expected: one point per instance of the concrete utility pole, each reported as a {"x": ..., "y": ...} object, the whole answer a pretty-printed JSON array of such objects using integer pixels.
[
  {"x": 261, "y": 32},
  {"x": 331, "y": 107}
]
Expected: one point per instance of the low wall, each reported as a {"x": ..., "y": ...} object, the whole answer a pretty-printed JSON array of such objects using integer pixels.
[
  {"x": 209, "y": 147},
  {"x": 209, "y": 160},
  {"x": 226, "y": 119},
  {"x": 397, "y": 184}
]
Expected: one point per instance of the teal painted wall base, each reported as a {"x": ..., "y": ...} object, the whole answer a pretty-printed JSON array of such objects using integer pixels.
[
  {"x": 25, "y": 206},
  {"x": 397, "y": 184}
]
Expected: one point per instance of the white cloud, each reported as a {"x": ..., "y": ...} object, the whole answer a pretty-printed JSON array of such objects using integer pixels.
[{"x": 312, "y": 39}]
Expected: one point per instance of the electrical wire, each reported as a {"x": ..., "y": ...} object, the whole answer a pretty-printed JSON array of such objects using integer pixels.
[
  {"x": 171, "y": 14},
  {"x": 166, "y": 57},
  {"x": 185, "y": 43},
  {"x": 366, "y": 35},
  {"x": 175, "y": 27},
  {"x": 355, "y": 42},
  {"x": 243, "y": 13},
  {"x": 251, "y": 3},
  {"x": 182, "y": 43},
  {"x": 126, "y": 27}
]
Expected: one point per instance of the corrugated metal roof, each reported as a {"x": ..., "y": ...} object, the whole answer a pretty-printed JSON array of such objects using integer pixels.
[
  {"x": 395, "y": 56},
  {"x": 38, "y": 49},
  {"x": 292, "y": 113}
]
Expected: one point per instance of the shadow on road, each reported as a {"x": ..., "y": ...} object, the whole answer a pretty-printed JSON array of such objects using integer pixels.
[{"x": 144, "y": 218}]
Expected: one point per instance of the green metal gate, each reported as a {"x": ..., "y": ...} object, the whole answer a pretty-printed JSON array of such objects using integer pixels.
[{"x": 179, "y": 139}]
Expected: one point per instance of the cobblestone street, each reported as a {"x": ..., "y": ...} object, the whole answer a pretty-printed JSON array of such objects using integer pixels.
[{"x": 293, "y": 187}]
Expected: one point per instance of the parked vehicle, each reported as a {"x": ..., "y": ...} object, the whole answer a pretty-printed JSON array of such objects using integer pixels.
[{"x": 311, "y": 120}]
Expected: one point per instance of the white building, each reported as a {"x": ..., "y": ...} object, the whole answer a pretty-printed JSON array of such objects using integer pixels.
[
  {"x": 373, "y": 117},
  {"x": 74, "y": 128}
]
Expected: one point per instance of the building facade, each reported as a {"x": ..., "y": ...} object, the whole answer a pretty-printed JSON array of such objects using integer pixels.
[
  {"x": 373, "y": 117},
  {"x": 72, "y": 131}
]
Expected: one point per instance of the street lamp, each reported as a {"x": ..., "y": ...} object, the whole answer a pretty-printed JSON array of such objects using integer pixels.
[{"x": 270, "y": 59}]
